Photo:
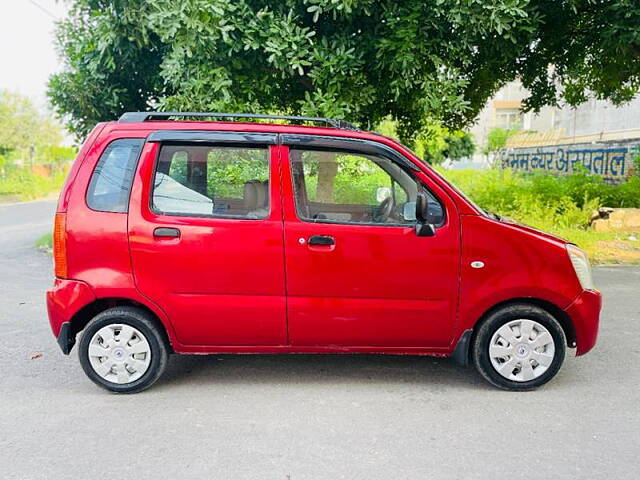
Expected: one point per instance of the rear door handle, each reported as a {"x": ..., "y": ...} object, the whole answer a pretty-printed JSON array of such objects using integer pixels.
[
  {"x": 166, "y": 232},
  {"x": 322, "y": 240}
]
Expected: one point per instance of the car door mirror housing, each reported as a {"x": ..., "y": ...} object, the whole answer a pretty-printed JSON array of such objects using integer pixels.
[
  {"x": 425, "y": 230},
  {"x": 422, "y": 208},
  {"x": 423, "y": 227}
]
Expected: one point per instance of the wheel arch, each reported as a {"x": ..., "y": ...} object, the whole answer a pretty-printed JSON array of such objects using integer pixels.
[
  {"x": 464, "y": 357},
  {"x": 81, "y": 318},
  {"x": 552, "y": 309}
]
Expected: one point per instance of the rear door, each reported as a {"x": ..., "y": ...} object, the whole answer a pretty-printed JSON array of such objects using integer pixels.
[
  {"x": 206, "y": 240},
  {"x": 357, "y": 273}
]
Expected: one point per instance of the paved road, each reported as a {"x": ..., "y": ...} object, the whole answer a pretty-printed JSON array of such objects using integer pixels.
[{"x": 304, "y": 417}]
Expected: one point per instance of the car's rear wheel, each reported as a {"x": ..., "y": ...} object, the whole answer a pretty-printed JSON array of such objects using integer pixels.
[
  {"x": 123, "y": 350},
  {"x": 519, "y": 347}
]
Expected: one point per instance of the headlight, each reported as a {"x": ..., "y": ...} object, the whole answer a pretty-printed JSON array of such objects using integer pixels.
[{"x": 581, "y": 266}]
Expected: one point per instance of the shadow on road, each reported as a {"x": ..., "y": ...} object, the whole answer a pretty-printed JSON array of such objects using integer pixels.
[{"x": 318, "y": 369}]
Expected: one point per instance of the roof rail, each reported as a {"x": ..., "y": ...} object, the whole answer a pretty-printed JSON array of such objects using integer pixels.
[{"x": 136, "y": 117}]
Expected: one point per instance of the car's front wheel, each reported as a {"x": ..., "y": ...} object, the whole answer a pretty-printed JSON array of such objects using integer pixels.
[
  {"x": 122, "y": 350},
  {"x": 519, "y": 347}
]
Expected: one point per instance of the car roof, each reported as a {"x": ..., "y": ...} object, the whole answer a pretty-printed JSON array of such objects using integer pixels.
[
  {"x": 151, "y": 121},
  {"x": 266, "y": 127},
  {"x": 136, "y": 117}
]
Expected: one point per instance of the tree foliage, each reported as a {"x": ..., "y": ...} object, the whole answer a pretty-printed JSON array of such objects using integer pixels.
[
  {"x": 459, "y": 145},
  {"x": 361, "y": 60},
  {"x": 435, "y": 143}
]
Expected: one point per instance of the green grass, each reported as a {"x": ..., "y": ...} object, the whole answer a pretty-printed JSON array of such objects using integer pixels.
[
  {"x": 45, "y": 241},
  {"x": 559, "y": 205}
]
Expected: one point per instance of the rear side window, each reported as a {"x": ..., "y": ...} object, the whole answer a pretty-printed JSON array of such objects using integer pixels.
[
  {"x": 212, "y": 181},
  {"x": 110, "y": 185}
]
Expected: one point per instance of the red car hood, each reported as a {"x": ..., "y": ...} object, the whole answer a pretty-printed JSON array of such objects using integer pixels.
[{"x": 529, "y": 229}]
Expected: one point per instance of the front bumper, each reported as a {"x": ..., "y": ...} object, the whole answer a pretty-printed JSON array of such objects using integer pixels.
[
  {"x": 64, "y": 300},
  {"x": 584, "y": 312}
]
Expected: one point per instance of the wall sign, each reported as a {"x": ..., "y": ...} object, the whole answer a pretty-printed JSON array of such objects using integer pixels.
[{"x": 612, "y": 161}]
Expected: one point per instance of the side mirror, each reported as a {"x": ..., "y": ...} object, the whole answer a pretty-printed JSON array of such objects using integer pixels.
[
  {"x": 409, "y": 212},
  {"x": 423, "y": 228}
]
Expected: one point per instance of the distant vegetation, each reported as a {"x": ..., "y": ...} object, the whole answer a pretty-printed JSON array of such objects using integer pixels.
[
  {"x": 23, "y": 184},
  {"x": 33, "y": 160},
  {"x": 436, "y": 143}
]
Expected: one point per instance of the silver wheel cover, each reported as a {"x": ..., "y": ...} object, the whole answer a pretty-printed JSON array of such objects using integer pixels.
[
  {"x": 119, "y": 353},
  {"x": 521, "y": 350}
]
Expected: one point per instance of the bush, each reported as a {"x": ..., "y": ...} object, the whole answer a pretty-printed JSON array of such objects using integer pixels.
[
  {"x": 505, "y": 191},
  {"x": 24, "y": 184},
  {"x": 559, "y": 205}
]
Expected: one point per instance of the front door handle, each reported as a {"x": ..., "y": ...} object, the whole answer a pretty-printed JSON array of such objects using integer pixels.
[
  {"x": 324, "y": 240},
  {"x": 165, "y": 232}
]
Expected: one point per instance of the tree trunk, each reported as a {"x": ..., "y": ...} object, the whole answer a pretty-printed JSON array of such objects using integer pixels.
[{"x": 327, "y": 171}]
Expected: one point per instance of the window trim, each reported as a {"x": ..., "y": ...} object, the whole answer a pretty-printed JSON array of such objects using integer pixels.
[
  {"x": 90, "y": 190},
  {"x": 194, "y": 143},
  {"x": 206, "y": 137},
  {"x": 321, "y": 142},
  {"x": 327, "y": 146}
]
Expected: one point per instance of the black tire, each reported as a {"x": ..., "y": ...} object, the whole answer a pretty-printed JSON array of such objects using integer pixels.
[
  {"x": 140, "y": 320},
  {"x": 497, "y": 319}
]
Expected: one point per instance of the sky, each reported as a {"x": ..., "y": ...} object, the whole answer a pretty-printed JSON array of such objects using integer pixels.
[{"x": 27, "y": 52}]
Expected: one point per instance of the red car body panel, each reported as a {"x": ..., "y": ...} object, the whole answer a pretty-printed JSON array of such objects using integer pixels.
[
  {"x": 256, "y": 286},
  {"x": 226, "y": 285},
  {"x": 517, "y": 264},
  {"x": 585, "y": 314},
  {"x": 370, "y": 288},
  {"x": 65, "y": 298}
]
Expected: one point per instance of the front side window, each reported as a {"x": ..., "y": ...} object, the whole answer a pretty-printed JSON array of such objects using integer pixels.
[
  {"x": 110, "y": 184},
  {"x": 346, "y": 187},
  {"x": 215, "y": 181}
]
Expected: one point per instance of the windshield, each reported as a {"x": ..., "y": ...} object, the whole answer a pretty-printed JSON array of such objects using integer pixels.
[
  {"x": 480, "y": 210},
  {"x": 462, "y": 194}
]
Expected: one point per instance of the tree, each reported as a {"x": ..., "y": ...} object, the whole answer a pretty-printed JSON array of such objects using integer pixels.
[
  {"x": 437, "y": 144},
  {"x": 497, "y": 139},
  {"x": 23, "y": 129},
  {"x": 459, "y": 145},
  {"x": 361, "y": 60}
]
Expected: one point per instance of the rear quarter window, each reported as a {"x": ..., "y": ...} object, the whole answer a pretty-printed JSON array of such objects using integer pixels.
[{"x": 111, "y": 180}]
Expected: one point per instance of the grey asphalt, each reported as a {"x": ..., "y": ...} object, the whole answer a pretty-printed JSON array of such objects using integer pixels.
[{"x": 306, "y": 417}]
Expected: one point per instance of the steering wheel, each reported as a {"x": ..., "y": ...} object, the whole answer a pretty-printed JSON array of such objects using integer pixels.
[{"x": 384, "y": 210}]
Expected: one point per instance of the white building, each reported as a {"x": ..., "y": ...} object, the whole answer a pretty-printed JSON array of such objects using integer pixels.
[{"x": 594, "y": 120}]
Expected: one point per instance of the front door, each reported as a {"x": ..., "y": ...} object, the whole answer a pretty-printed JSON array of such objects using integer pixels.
[
  {"x": 357, "y": 273},
  {"x": 205, "y": 233}
]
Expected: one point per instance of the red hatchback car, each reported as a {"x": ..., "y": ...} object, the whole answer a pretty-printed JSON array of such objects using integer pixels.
[{"x": 232, "y": 237}]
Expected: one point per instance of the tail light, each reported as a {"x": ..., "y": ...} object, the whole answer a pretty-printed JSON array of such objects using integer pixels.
[{"x": 60, "y": 245}]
